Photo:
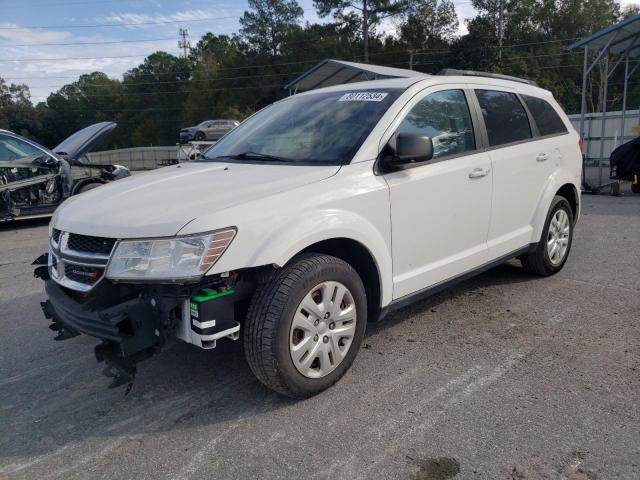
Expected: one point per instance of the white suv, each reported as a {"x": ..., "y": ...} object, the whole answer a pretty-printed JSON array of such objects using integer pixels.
[{"x": 321, "y": 212}]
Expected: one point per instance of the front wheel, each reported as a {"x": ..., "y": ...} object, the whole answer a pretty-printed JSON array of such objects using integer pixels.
[
  {"x": 552, "y": 251},
  {"x": 200, "y": 136},
  {"x": 305, "y": 325}
]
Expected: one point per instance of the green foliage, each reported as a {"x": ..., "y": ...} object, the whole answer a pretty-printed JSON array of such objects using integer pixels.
[
  {"x": 430, "y": 24},
  {"x": 233, "y": 76},
  {"x": 267, "y": 26}
]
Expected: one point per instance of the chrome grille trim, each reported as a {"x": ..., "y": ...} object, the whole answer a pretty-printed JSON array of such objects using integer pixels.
[{"x": 60, "y": 255}]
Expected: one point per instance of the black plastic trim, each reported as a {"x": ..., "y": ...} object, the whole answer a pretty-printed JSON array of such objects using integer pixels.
[{"x": 438, "y": 287}]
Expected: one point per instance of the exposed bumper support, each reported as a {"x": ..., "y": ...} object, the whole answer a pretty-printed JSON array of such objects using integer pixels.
[{"x": 130, "y": 331}]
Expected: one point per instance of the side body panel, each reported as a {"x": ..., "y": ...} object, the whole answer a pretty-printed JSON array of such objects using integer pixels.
[{"x": 439, "y": 214}]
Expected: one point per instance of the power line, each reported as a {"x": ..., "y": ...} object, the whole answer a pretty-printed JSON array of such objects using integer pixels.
[
  {"x": 173, "y": 92},
  {"x": 54, "y": 4},
  {"x": 111, "y": 42},
  {"x": 188, "y": 80},
  {"x": 123, "y": 24}
]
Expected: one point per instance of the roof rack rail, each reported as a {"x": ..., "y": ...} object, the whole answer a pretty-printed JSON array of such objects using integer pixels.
[{"x": 473, "y": 73}]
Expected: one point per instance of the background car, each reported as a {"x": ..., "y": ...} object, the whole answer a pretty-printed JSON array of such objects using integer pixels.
[
  {"x": 35, "y": 180},
  {"x": 208, "y": 130}
]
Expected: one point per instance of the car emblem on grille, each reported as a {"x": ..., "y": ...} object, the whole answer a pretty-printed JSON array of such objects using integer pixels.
[{"x": 83, "y": 273}]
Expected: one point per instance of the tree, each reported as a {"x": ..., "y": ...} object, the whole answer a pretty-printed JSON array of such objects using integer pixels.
[
  {"x": 367, "y": 13},
  {"x": 431, "y": 24},
  {"x": 266, "y": 27},
  {"x": 154, "y": 94}
]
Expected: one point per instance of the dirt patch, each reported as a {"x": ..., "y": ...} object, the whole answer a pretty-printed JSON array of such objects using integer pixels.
[{"x": 438, "y": 469}]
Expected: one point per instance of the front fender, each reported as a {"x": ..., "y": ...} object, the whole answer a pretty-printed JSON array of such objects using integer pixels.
[{"x": 280, "y": 244}]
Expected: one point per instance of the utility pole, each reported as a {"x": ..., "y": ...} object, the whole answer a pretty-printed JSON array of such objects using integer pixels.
[
  {"x": 184, "y": 43},
  {"x": 365, "y": 30},
  {"x": 500, "y": 28}
]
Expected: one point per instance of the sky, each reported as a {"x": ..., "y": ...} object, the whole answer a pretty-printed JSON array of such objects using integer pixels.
[{"x": 47, "y": 58}]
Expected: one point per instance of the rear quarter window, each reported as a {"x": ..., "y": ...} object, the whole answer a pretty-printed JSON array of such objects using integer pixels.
[
  {"x": 545, "y": 116},
  {"x": 504, "y": 116}
]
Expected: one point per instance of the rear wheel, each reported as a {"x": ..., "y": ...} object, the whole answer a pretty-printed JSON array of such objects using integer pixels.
[
  {"x": 305, "y": 325},
  {"x": 552, "y": 251}
]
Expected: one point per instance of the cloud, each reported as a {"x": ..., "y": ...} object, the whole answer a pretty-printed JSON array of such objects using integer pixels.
[
  {"x": 13, "y": 34},
  {"x": 184, "y": 16}
]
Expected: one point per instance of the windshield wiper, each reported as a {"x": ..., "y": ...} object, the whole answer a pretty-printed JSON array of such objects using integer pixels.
[{"x": 257, "y": 156}]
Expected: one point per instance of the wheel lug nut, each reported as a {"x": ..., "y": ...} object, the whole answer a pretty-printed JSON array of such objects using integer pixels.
[
  {"x": 332, "y": 326},
  {"x": 325, "y": 339},
  {"x": 316, "y": 323},
  {"x": 326, "y": 315},
  {"x": 315, "y": 337}
]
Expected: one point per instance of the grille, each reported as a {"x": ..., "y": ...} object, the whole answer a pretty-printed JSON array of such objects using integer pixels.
[
  {"x": 82, "y": 274},
  {"x": 56, "y": 235},
  {"x": 85, "y": 243}
]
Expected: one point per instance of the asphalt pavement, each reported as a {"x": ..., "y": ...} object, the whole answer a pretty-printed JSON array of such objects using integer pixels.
[{"x": 505, "y": 376}]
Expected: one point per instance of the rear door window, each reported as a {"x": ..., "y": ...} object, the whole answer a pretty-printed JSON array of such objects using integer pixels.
[
  {"x": 504, "y": 116},
  {"x": 444, "y": 117},
  {"x": 545, "y": 116}
]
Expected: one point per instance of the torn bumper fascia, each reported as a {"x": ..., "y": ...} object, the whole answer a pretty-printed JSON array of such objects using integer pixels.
[
  {"x": 130, "y": 331},
  {"x": 136, "y": 325}
]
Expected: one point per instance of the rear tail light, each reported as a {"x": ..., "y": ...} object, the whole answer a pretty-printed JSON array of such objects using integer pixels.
[{"x": 581, "y": 145}]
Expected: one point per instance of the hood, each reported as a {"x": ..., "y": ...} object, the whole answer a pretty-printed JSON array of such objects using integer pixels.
[
  {"x": 81, "y": 142},
  {"x": 159, "y": 203}
]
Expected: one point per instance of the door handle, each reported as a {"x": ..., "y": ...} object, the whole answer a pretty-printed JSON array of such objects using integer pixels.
[
  {"x": 479, "y": 172},
  {"x": 542, "y": 157}
]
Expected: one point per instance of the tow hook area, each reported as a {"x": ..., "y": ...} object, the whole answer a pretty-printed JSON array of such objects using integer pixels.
[{"x": 118, "y": 367}]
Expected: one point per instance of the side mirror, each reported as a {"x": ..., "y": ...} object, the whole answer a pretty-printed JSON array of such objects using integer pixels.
[
  {"x": 405, "y": 149},
  {"x": 413, "y": 148}
]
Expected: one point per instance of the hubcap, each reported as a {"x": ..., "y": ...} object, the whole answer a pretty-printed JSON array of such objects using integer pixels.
[
  {"x": 558, "y": 238},
  {"x": 322, "y": 330}
]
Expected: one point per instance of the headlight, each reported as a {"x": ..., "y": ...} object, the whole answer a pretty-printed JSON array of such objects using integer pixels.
[{"x": 177, "y": 258}]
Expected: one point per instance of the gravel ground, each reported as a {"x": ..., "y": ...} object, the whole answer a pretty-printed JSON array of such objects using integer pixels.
[{"x": 505, "y": 376}]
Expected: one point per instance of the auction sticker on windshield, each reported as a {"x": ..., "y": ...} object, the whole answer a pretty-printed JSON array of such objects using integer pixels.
[{"x": 362, "y": 97}]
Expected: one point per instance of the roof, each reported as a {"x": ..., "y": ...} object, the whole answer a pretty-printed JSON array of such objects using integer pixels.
[
  {"x": 622, "y": 37},
  {"x": 337, "y": 72}
]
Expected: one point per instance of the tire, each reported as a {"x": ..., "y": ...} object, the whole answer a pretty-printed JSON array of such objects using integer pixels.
[
  {"x": 88, "y": 186},
  {"x": 271, "y": 330},
  {"x": 539, "y": 261},
  {"x": 200, "y": 136}
]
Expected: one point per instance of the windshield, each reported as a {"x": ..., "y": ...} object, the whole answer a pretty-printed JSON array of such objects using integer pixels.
[
  {"x": 319, "y": 128},
  {"x": 12, "y": 149}
]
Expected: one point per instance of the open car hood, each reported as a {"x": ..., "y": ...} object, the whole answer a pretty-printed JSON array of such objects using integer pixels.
[{"x": 81, "y": 142}]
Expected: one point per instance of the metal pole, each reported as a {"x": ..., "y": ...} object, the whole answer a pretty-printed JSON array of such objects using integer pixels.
[
  {"x": 624, "y": 98},
  {"x": 583, "y": 102},
  {"x": 604, "y": 116},
  {"x": 500, "y": 29}
]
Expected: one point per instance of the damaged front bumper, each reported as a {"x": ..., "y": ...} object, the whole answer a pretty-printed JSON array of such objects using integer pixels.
[{"x": 135, "y": 322}]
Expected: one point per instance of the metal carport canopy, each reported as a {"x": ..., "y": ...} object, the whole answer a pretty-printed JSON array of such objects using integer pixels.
[
  {"x": 336, "y": 72},
  {"x": 623, "y": 41},
  {"x": 621, "y": 38}
]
